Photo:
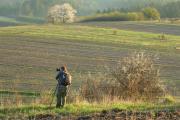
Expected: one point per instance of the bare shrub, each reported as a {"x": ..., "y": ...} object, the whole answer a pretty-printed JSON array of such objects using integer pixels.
[
  {"x": 134, "y": 78},
  {"x": 137, "y": 77}
]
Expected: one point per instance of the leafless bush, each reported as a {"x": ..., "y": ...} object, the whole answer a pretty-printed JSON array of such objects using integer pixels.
[
  {"x": 134, "y": 78},
  {"x": 137, "y": 77}
]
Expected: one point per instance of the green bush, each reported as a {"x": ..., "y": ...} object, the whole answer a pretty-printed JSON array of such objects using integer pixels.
[
  {"x": 116, "y": 16},
  {"x": 151, "y": 13}
]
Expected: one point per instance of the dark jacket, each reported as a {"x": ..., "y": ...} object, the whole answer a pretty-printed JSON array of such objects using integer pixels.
[{"x": 61, "y": 77}]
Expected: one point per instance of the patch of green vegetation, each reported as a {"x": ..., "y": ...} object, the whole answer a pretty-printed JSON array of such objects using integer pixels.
[
  {"x": 94, "y": 34},
  {"x": 28, "y": 19},
  {"x": 8, "y": 20},
  {"x": 84, "y": 108},
  {"x": 20, "y": 20},
  {"x": 19, "y": 93}
]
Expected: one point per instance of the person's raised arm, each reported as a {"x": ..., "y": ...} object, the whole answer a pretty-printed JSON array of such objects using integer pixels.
[{"x": 57, "y": 76}]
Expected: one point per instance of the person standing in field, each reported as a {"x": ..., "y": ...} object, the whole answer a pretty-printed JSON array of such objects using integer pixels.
[{"x": 64, "y": 80}]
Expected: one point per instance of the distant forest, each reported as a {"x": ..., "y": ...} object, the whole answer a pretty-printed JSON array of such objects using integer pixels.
[{"x": 38, "y": 8}]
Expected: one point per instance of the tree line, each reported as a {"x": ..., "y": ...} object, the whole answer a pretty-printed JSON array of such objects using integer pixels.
[
  {"x": 39, "y": 8},
  {"x": 148, "y": 13}
]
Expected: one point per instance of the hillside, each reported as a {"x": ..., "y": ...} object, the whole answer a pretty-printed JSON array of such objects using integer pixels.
[
  {"x": 35, "y": 55},
  {"x": 30, "y": 55},
  {"x": 89, "y": 59},
  {"x": 4, "y": 21}
]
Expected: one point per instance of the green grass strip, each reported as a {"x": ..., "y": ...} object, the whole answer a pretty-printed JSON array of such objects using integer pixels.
[
  {"x": 19, "y": 93},
  {"x": 95, "y": 34},
  {"x": 85, "y": 108}
]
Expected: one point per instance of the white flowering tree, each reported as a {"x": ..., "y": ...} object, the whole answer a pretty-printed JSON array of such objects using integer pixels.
[{"x": 61, "y": 14}]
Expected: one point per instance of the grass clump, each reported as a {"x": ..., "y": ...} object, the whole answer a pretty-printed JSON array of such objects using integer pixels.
[
  {"x": 32, "y": 94},
  {"x": 169, "y": 99},
  {"x": 163, "y": 37}
]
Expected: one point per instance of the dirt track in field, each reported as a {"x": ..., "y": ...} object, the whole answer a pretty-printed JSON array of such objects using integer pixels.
[{"x": 138, "y": 26}]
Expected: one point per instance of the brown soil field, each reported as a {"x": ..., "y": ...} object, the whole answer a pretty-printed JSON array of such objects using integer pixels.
[
  {"x": 116, "y": 114},
  {"x": 27, "y": 63}
]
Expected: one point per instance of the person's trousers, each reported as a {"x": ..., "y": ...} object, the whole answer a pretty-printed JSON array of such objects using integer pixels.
[{"x": 61, "y": 96}]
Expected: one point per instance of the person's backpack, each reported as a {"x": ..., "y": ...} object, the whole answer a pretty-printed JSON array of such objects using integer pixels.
[{"x": 67, "y": 79}]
